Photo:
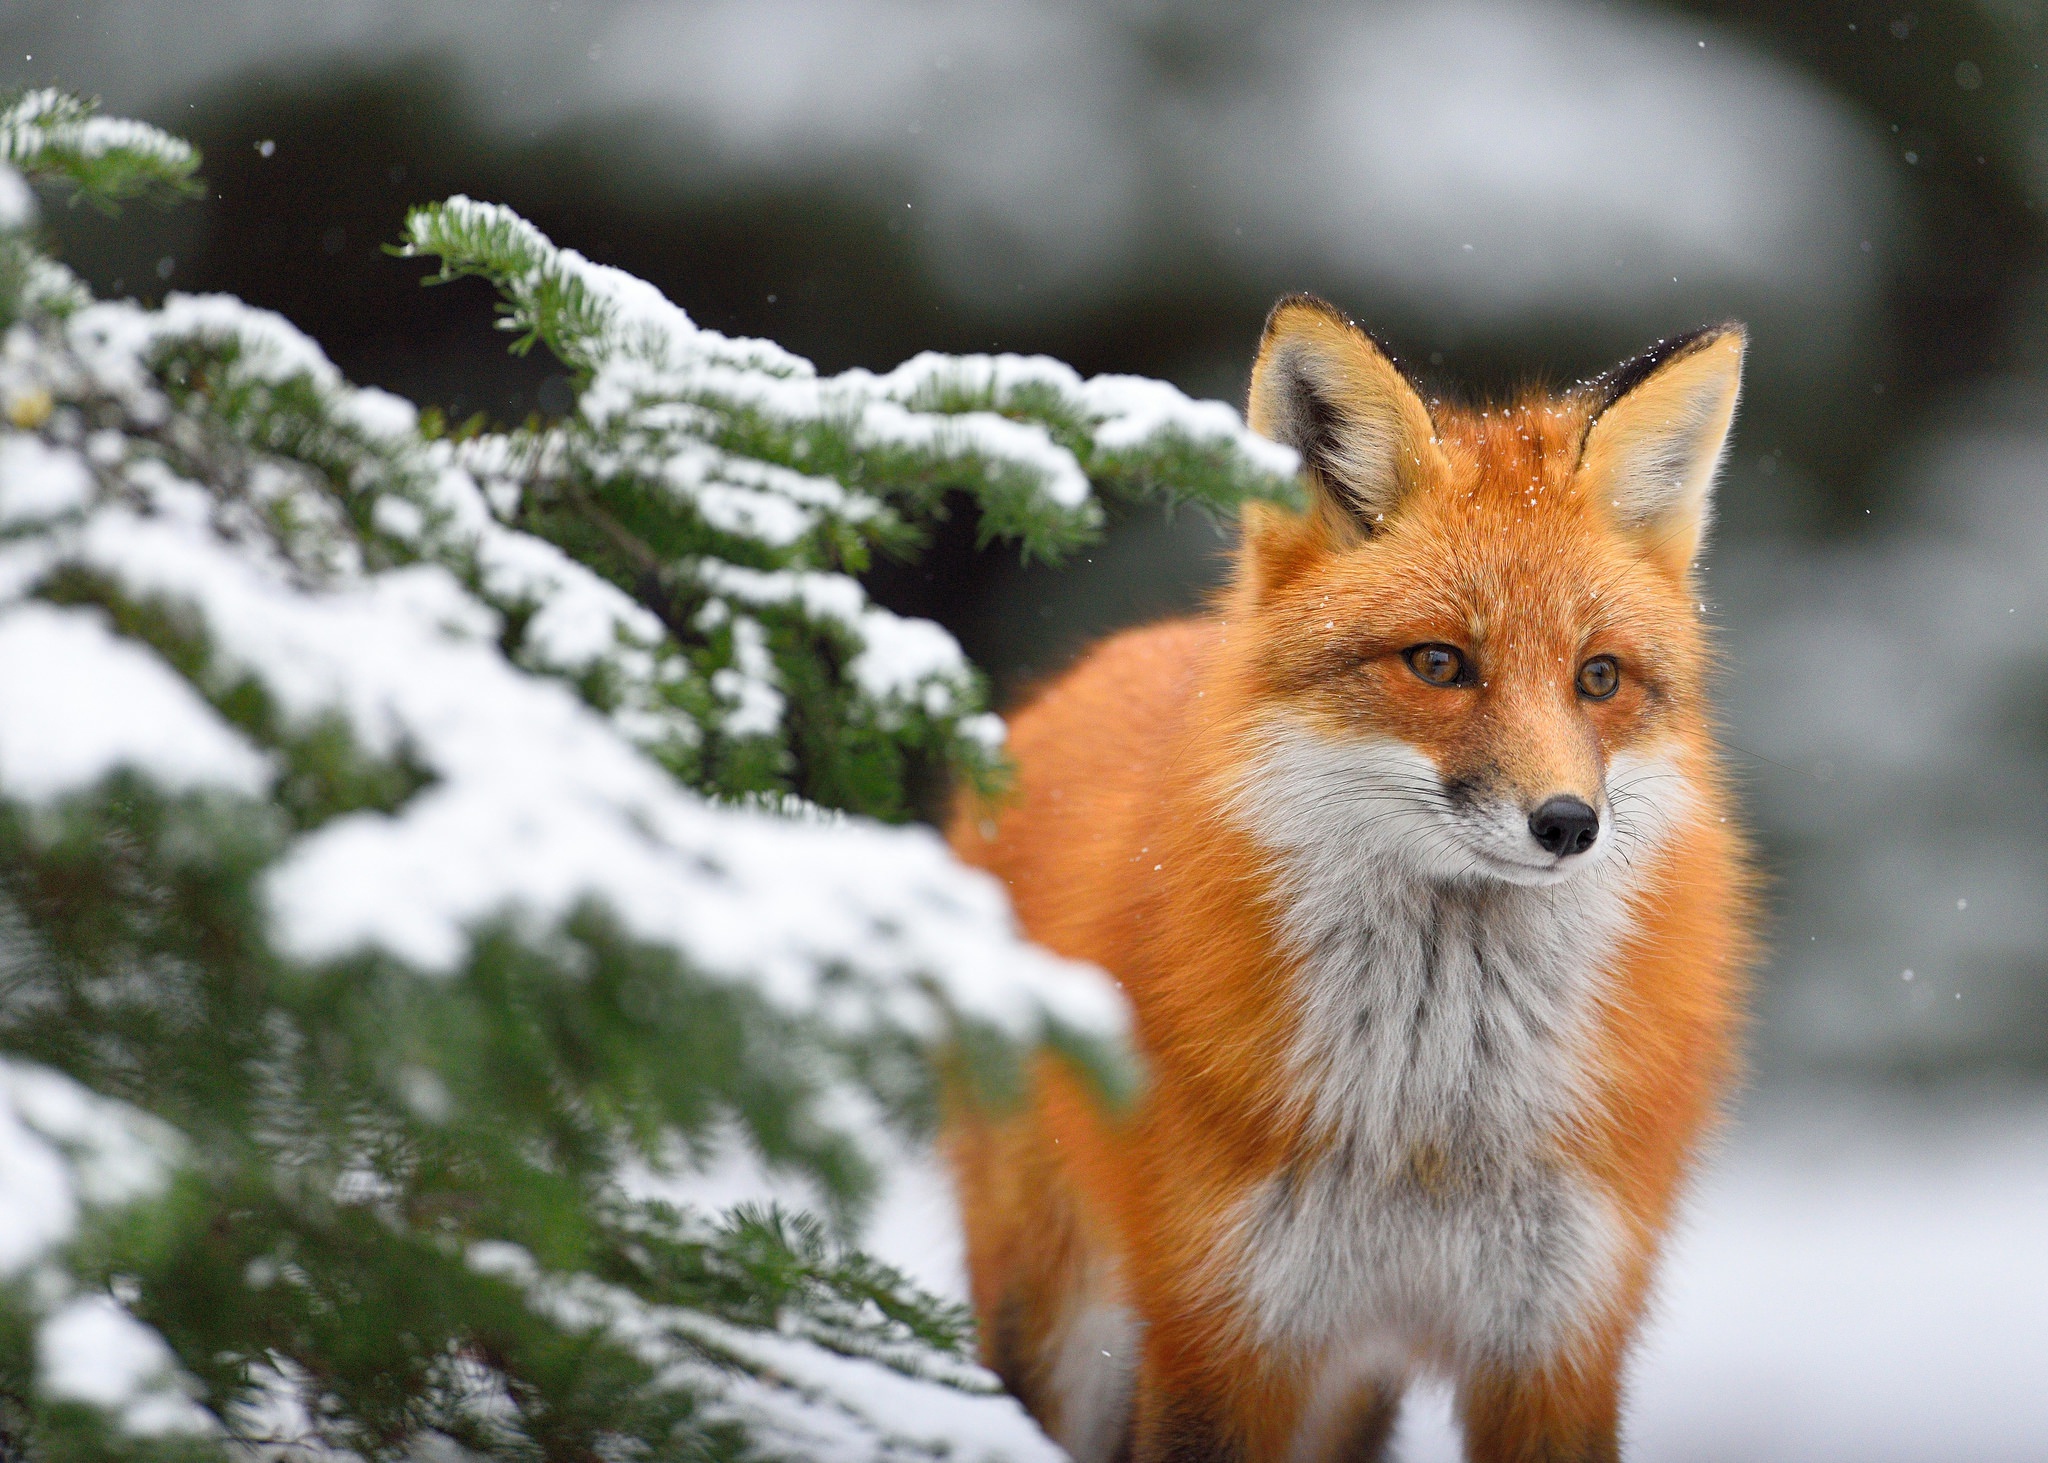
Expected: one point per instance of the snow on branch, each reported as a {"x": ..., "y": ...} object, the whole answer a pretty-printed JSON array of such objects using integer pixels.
[
  {"x": 71, "y": 1161},
  {"x": 1022, "y": 434},
  {"x": 51, "y": 135},
  {"x": 529, "y": 801}
]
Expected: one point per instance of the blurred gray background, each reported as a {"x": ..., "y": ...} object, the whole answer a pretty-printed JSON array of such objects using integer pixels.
[{"x": 1503, "y": 189}]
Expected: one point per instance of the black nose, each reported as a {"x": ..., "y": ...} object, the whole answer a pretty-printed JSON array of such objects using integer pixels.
[{"x": 1564, "y": 826}]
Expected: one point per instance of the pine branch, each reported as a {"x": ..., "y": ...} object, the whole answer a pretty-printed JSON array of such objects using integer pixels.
[{"x": 56, "y": 138}]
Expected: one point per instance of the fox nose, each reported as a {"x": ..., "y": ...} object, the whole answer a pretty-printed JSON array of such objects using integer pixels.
[{"x": 1564, "y": 826}]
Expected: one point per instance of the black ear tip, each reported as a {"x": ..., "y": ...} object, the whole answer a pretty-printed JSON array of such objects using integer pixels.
[{"x": 1624, "y": 378}]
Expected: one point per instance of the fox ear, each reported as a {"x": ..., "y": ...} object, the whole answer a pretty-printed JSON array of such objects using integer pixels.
[
  {"x": 1657, "y": 436},
  {"x": 1323, "y": 387}
]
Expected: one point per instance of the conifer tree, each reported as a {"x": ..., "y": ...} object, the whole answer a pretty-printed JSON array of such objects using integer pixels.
[{"x": 426, "y": 850}]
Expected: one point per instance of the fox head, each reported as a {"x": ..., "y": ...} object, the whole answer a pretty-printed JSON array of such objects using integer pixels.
[{"x": 1479, "y": 651}]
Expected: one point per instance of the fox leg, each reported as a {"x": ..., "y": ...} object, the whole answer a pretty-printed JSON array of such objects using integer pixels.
[
  {"x": 1347, "y": 1418},
  {"x": 1567, "y": 1414},
  {"x": 1064, "y": 1341},
  {"x": 1368, "y": 1426},
  {"x": 1243, "y": 1409},
  {"x": 1182, "y": 1424},
  {"x": 1201, "y": 1425}
]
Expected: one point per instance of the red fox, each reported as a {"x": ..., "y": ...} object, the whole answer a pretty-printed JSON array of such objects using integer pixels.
[{"x": 1415, "y": 861}]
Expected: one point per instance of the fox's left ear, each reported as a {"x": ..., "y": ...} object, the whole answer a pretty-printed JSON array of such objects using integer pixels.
[{"x": 1657, "y": 437}]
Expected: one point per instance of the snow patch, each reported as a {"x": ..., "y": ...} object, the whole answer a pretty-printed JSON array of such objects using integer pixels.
[
  {"x": 1126, "y": 412},
  {"x": 902, "y": 661},
  {"x": 81, "y": 701},
  {"x": 899, "y": 655},
  {"x": 39, "y": 482},
  {"x": 63, "y": 1146},
  {"x": 377, "y": 413},
  {"x": 90, "y": 1350},
  {"x": 805, "y": 1401},
  {"x": 17, "y": 200}
]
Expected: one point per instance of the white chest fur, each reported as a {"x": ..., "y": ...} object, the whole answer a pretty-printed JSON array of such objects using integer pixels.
[{"x": 1444, "y": 1021}]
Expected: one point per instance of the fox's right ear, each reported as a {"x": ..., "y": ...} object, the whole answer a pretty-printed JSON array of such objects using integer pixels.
[{"x": 1323, "y": 387}]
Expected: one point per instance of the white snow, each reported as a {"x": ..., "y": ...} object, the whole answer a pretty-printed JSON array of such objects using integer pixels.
[
  {"x": 17, "y": 201},
  {"x": 116, "y": 1153},
  {"x": 377, "y": 413},
  {"x": 858, "y": 1411},
  {"x": 973, "y": 434},
  {"x": 747, "y": 497},
  {"x": 988, "y": 729},
  {"x": 582, "y": 617},
  {"x": 576, "y": 620},
  {"x": 749, "y": 685},
  {"x": 63, "y": 1146},
  {"x": 805, "y": 1400},
  {"x": 642, "y": 323},
  {"x": 113, "y": 339},
  {"x": 39, "y": 481},
  {"x": 81, "y": 701},
  {"x": 898, "y": 654},
  {"x": 823, "y": 596},
  {"x": 92, "y": 1351},
  {"x": 902, "y": 661},
  {"x": 627, "y": 383},
  {"x": 38, "y": 1209},
  {"x": 750, "y": 513},
  {"x": 63, "y": 1149},
  {"x": 1136, "y": 409},
  {"x": 1869, "y": 1272},
  {"x": 399, "y": 517},
  {"x": 49, "y": 286},
  {"x": 269, "y": 347},
  {"x": 1128, "y": 411}
]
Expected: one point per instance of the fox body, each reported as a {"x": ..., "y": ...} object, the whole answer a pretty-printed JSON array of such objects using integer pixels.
[{"x": 1414, "y": 861}]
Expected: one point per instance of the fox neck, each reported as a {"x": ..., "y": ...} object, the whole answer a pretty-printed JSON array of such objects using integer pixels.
[
  {"x": 1440, "y": 1016},
  {"x": 1441, "y": 1047}
]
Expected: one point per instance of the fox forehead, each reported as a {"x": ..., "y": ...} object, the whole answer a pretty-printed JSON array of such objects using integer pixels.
[
  {"x": 1507, "y": 489},
  {"x": 1496, "y": 451},
  {"x": 1505, "y": 554}
]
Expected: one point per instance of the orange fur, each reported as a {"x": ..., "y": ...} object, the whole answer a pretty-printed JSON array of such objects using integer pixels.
[{"x": 1511, "y": 535}]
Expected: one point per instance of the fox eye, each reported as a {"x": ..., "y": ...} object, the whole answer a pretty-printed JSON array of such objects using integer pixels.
[
  {"x": 1599, "y": 678},
  {"x": 1440, "y": 665}
]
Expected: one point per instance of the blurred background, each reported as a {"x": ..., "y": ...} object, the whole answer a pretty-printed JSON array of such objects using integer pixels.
[{"x": 1504, "y": 190}]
